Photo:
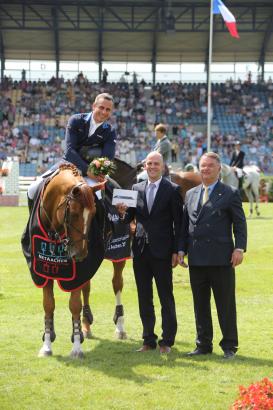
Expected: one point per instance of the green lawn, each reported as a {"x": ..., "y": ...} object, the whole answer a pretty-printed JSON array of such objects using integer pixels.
[{"x": 112, "y": 375}]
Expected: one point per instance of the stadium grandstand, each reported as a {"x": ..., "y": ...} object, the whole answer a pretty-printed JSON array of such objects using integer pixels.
[{"x": 153, "y": 57}]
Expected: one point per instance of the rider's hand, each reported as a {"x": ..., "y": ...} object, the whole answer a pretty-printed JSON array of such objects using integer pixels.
[{"x": 98, "y": 178}]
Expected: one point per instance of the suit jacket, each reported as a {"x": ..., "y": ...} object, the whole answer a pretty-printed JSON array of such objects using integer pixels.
[
  {"x": 237, "y": 160},
  {"x": 161, "y": 227},
  {"x": 164, "y": 147},
  {"x": 207, "y": 232},
  {"x": 80, "y": 148}
]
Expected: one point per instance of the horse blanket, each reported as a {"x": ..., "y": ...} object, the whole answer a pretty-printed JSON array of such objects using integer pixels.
[
  {"x": 47, "y": 258},
  {"x": 46, "y": 255}
]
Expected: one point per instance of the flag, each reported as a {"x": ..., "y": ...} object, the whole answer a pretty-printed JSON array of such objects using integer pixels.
[{"x": 229, "y": 19}]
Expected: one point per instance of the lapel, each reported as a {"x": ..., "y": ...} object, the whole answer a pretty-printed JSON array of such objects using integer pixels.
[
  {"x": 142, "y": 202},
  {"x": 87, "y": 121},
  {"x": 196, "y": 200},
  {"x": 216, "y": 194}
]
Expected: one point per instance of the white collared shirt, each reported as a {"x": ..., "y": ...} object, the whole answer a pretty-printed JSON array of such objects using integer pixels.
[{"x": 93, "y": 126}]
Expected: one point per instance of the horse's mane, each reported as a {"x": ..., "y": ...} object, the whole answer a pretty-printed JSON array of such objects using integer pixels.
[
  {"x": 86, "y": 196},
  {"x": 70, "y": 167}
]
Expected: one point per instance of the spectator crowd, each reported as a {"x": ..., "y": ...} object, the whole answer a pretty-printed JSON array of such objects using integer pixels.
[{"x": 33, "y": 117}]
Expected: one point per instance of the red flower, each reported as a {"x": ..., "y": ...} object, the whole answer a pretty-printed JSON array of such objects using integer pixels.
[{"x": 258, "y": 396}]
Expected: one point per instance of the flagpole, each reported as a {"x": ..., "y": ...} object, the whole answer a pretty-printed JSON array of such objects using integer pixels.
[{"x": 209, "y": 78}]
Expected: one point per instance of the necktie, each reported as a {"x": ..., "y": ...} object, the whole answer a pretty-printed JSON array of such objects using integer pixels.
[
  {"x": 205, "y": 195},
  {"x": 150, "y": 198}
]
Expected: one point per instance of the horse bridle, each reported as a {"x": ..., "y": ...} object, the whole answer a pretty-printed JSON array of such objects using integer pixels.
[{"x": 66, "y": 222}]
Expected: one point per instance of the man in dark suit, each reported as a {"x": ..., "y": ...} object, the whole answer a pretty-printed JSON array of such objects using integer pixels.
[
  {"x": 158, "y": 215},
  {"x": 212, "y": 212}
]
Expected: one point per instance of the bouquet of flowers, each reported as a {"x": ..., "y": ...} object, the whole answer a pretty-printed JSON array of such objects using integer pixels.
[
  {"x": 258, "y": 396},
  {"x": 101, "y": 166}
]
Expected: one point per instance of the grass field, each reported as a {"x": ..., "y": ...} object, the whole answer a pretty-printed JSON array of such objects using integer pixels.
[{"x": 112, "y": 375}]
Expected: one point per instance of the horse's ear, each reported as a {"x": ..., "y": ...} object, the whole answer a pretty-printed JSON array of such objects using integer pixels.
[{"x": 99, "y": 186}]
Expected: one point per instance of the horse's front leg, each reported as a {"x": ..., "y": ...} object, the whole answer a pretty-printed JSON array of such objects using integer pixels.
[
  {"x": 87, "y": 315},
  {"x": 49, "y": 307},
  {"x": 117, "y": 282},
  {"x": 75, "y": 306}
]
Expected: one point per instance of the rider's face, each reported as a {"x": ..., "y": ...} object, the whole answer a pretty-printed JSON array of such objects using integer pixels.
[{"x": 102, "y": 109}]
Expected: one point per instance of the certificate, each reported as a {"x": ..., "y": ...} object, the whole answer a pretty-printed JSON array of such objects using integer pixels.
[{"x": 125, "y": 196}]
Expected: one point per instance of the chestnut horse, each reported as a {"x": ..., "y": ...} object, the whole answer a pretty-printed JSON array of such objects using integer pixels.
[
  {"x": 64, "y": 215},
  {"x": 126, "y": 176}
]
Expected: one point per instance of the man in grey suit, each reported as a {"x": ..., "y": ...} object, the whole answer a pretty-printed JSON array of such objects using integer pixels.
[
  {"x": 212, "y": 212},
  {"x": 158, "y": 216},
  {"x": 163, "y": 144}
]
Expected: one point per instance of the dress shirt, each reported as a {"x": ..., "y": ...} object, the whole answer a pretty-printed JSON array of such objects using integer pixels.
[
  {"x": 93, "y": 126},
  {"x": 156, "y": 183}
]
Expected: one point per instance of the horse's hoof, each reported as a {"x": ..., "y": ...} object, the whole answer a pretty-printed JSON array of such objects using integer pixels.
[
  {"x": 45, "y": 353},
  {"x": 77, "y": 355},
  {"x": 87, "y": 334},
  {"x": 121, "y": 335}
]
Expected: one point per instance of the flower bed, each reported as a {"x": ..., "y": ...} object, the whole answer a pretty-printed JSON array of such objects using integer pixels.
[{"x": 258, "y": 396}]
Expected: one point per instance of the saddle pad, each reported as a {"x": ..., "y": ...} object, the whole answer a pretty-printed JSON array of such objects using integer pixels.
[{"x": 50, "y": 259}]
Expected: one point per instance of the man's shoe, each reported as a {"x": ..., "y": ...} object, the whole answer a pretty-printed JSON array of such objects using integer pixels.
[
  {"x": 198, "y": 352},
  {"x": 164, "y": 349},
  {"x": 145, "y": 348},
  {"x": 229, "y": 354}
]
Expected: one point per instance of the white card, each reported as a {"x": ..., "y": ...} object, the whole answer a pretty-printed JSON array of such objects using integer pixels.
[{"x": 125, "y": 196}]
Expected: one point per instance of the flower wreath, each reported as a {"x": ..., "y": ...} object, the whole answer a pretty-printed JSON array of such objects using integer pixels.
[{"x": 101, "y": 166}]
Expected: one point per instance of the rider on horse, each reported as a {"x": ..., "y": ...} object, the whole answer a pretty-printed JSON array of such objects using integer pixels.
[
  {"x": 88, "y": 135},
  {"x": 237, "y": 162}
]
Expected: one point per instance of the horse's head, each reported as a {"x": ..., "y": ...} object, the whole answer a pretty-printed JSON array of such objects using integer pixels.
[
  {"x": 68, "y": 208},
  {"x": 75, "y": 214}
]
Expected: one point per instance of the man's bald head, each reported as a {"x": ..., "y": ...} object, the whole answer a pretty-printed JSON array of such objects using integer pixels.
[{"x": 154, "y": 166}]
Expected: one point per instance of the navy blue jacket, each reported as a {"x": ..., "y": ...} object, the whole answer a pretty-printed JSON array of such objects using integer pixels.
[
  {"x": 207, "y": 232},
  {"x": 80, "y": 148}
]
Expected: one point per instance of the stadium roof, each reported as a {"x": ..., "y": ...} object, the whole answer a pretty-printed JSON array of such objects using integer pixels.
[{"x": 140, "y": 30}]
